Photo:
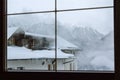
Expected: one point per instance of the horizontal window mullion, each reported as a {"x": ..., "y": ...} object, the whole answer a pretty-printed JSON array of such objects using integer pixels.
[
  {"x": 31, "y": 12},
  {"x": 92, "y": 8}
]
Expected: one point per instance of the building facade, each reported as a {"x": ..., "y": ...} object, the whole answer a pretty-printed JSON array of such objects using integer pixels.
[{"x": 28, "y": 51}]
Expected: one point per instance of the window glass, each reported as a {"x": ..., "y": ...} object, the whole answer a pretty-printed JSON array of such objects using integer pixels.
[
  {"x": 87, "y": 37},
  {"x": 84, "y": 39},
  {"x": 30, "y": 41},
  {"x": 73, "y": 4},
  {"x": 19, "y": 6}
]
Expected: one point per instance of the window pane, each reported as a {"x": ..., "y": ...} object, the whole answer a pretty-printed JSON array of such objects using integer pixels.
[
  {"x": 18, "y": 6},
  {"x": 30, "y": 40},
  {"x": 86, "y": 37},
  {"x": 73, "y": 4}
]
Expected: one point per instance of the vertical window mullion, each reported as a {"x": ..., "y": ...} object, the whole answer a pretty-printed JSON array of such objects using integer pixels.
[{"x": 56, "y": 35}]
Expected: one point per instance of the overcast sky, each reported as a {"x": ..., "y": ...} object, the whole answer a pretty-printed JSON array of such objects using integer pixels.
[
  {"x": 71, "y": 4},
  {"x": 101, "y": 19},
  {"x": 43, "y": 5},
  {"x": 15, "y": 6}
]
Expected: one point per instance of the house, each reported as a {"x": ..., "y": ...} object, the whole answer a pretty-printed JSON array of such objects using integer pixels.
[
  {"x": 21, "y": 57},
  {"x": 28, "y": 51},
  {"x": 38, "y": 42},
  {"x": 15, "y": 36}
]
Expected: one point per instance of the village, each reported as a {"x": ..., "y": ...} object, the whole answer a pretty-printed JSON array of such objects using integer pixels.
[{"x": 32, "y": 51}]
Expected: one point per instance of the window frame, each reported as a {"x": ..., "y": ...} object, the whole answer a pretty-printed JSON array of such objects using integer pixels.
[
  {"x": 50, "y": 75},
  {"x": 57, "y": 11},
  {"x": 4, "y": 24}
]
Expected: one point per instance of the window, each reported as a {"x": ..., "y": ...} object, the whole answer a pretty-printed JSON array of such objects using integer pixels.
[
  {"x": 76, "y": 31},
  {"x": 49, "y": 67},
  {"x": 70, "y": 66},
  {"x": 54, "y": 67},
  {"x": 20, "y": 68},
  {"x": 10, "y": 68}
]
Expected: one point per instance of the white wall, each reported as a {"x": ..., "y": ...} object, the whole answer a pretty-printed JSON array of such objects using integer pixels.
[
  {"x": 37, "y": 64},
  {"x": 69, "y": 66},
  {"x": 28, "y": 64}
]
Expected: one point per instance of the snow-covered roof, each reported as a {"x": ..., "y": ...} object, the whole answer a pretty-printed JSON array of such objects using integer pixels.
[
  {"x": 64, "y": 44},
  {"x": 61, "y": 43},
  {"x": 39, "y": 35},
  {"x": 11, "y": 31},
  {"x": 24, "y": 53}
]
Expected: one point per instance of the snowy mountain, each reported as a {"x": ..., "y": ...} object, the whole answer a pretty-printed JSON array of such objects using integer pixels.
[
  {"x": 42, "y": 28},
  {"x": 27, "y": 21},
  {"x": 83, "y": 37},
  {"x": 86, "y": 36}
]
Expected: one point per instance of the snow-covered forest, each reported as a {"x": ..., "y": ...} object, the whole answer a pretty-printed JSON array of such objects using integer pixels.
[{"x": 97, "y": 49}]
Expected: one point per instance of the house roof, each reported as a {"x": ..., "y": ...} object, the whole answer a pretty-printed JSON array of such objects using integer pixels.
[
  {"x": 11, "y": 31},
  {"x": 64, "y": 44},
  {"x": 49, "y": 38},
  {"x": 61, "y": 43},
  {"x": 24, "y": 53}
]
